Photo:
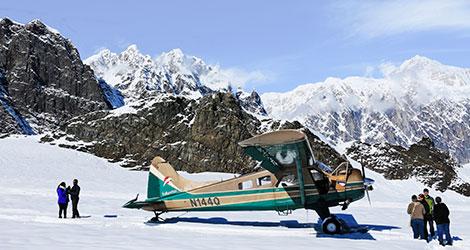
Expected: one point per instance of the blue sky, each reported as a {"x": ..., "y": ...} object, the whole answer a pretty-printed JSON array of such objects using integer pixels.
[{"x": 273, "y": 45}]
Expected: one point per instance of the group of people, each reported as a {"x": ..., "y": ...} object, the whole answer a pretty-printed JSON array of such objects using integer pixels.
[
  {"x": 424, "y": 211},
  {"x": 64, "y": 192}
]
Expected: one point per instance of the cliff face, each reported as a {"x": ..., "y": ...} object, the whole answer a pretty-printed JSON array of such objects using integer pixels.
[
  {"x": 44, "y": 81},
  {"x": 423, "y": 161},
  {"x": 193, "y": 135}
]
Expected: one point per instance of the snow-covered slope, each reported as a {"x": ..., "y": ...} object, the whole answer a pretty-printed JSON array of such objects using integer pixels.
[
  {"x": 135, "y": 74},
  {"x": 28, "y": 211},
  {"x": 419, "y": 98},
  {"x": 138, "y": 76}
]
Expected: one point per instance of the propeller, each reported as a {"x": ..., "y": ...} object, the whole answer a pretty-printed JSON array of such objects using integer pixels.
[
  {"x": 368, "y": 197},
  {"x": 367, "y": 182}
]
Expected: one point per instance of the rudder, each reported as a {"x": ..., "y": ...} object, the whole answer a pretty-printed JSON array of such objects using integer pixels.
[{"x": 160, "y": 179}]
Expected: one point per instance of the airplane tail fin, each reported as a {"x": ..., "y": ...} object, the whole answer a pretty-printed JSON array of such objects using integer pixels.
[{"x": 162, "y": 180}]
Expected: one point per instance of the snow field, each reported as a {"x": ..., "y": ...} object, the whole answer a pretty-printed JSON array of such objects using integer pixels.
[{"x": 30, "y": 172}]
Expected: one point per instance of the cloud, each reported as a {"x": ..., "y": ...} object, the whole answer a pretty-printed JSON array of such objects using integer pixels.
[
  {"x": 220, "y": 78},
  {"x": 240, "y": 77},
  {"x": 383, "y": 18}
]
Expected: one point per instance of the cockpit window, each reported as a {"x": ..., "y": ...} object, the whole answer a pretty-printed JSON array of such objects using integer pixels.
[{"x": 324, "y": 167}]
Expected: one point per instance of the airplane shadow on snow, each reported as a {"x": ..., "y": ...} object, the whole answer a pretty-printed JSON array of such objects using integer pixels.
[{"x": 348, "y": 218}]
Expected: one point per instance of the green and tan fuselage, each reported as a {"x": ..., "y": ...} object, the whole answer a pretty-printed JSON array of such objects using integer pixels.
[
  {"x": 263, "y": 197},
  {"x": 292, "y": 180}
]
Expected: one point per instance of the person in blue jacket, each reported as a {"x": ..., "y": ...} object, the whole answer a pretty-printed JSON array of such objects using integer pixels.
[{"x": 63, "y": 200}]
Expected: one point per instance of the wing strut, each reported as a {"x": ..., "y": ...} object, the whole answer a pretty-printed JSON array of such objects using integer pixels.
[{"x": 300, "y": 177}]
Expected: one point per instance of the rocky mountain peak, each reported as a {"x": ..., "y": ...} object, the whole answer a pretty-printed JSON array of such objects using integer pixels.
[
  {"x": 425, "y": 142},
  {"x": 173, "y": 56},
  {"x": 44, "y": 80},
  {"x": 139, "y": 76},
  {"x": 37, "y": 27}
]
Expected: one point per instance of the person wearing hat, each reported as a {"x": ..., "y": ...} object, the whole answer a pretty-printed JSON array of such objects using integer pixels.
[
  {"x": 428, "y": 219},
  {"x": 441, "y": 216},
  {"x": 416, "y": 211}
]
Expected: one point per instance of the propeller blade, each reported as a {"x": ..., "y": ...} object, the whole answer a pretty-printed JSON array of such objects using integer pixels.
[
  {"x": 363, "y": 171},
  {"x": 367, "y": 182}
]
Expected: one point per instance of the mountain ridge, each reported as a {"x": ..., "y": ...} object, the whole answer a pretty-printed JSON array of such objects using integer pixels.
[{"x": 419, "y": 98}]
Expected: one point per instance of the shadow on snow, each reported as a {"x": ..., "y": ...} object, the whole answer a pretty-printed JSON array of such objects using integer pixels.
[{"x": 357, "y": 231}]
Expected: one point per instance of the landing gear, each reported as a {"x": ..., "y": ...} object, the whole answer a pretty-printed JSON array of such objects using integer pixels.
[
  {"x": 346, "y": 204},
  {"x": 332, "y": 225},
  {"x": 157, "y": 218}
]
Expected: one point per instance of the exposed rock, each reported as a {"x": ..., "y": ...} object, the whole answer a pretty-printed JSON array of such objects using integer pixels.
[
  {"x": 140, "y": 76},
  {"x": 419, "y": 98},
  {"x": 251, "y": 102},
  {"x": 193, "y": 135},
  {"x": 423, "y": 161},
  {"x": 45, "y": 82}
]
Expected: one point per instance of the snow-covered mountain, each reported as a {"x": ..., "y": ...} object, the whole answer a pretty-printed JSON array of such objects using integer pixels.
[
  {"x": 139, "y": 76},
  {"x": 419, "y": 98}
]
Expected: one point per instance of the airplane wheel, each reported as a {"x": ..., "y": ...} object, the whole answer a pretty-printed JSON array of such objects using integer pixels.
[{"x": 331, "y": 225}]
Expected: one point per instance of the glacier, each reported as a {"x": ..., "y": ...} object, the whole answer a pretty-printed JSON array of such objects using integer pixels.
[{"x": 419, "y": 98}]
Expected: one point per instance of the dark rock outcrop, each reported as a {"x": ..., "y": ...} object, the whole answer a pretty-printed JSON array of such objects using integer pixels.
[
  {"x": 251, "y": 102},
  {"x": 423, "y": 161},
  {"x": 45, "y": 81},
  {"x": 193, "y": 135}
]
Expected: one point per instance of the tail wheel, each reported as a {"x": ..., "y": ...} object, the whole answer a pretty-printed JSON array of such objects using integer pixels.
[{"x": 331, "y": 225}]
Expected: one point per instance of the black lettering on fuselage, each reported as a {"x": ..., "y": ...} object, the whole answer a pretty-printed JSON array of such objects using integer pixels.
[{"x": 204, "y": 202}]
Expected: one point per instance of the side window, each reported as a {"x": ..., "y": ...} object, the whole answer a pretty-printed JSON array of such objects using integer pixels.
[
  {"x": 245, "y": 185},
  {"x": 288, "y": 179},
  {"x": 265, "y": 180}
]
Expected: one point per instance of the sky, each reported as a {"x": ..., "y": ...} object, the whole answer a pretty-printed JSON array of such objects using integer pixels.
[{"x": 272, "y": 45}]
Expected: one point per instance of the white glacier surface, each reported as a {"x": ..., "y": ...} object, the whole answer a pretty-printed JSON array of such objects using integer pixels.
[{"x": 30, "y": 172}]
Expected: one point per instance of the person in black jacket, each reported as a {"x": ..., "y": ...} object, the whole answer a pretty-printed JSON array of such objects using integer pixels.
[
  {"x": 422, "y": 200},
  {"x": 74, "y": 195},
  {"x": 441, "y": 217}
]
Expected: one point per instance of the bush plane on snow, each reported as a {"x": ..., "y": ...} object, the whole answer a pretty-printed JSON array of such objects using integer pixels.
[{"x": 292, "y": 179}]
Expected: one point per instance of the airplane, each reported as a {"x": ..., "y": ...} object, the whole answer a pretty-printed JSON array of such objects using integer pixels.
[{"x": 292, "y": 179}]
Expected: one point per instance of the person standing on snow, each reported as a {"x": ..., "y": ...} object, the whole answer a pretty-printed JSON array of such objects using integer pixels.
[
  {"x": 428, "y": 219},
  {"x": 63, "y": 199},
  {"x": 74, "y": 195},
  {"x": 427, "y": 213},
  {"x": 416, "y": 211},
  {"x": 441, "y": 216}
]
